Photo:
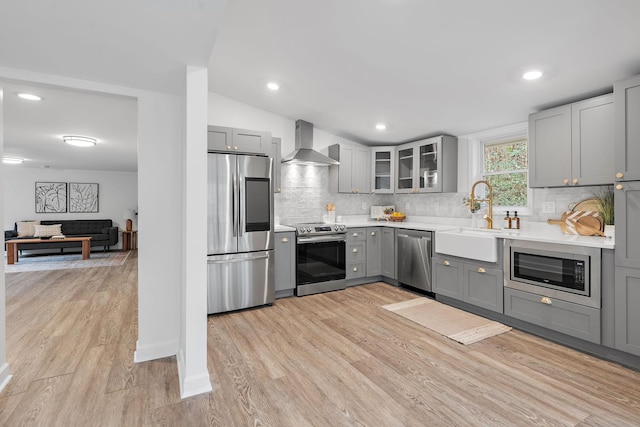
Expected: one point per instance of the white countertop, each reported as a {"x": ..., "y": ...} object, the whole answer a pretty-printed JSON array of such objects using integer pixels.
[{"x": 283, "y": 228}]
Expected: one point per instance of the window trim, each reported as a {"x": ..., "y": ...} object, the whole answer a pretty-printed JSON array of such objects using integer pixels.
[{"x": 504, "y": 134}]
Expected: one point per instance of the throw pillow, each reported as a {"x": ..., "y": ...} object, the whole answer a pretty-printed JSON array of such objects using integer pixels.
[
  {"x": 26, "y": 228},
  {"x": 47, "y": 230}
]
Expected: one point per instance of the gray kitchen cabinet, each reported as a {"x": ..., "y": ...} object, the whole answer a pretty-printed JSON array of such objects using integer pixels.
[
  {"x": 388, "y": 253},
  {"x": 568, "y": 318},
  {"x": 353, "y": 174},
  {"x": 374, "y": 251},
  {"x": 285, "y": 263},
  {"x": 383, "y": 169},
  {"x": 627, "y": 310},
  {"x": 276, "y": 155},
  {"x": 474, "y": 282},
  {"x": 356, "y": 256},
  {"x": 627, "y": 127},
  {"x": 568, "y": 144},
  {"x": 221, "y": 138},
  {"x": 427, "y": 166},
  {"x": 627, "y": 209}
]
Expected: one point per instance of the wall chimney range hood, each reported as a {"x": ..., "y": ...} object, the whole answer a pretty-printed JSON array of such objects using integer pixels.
[{"x": 304, "y": 154}]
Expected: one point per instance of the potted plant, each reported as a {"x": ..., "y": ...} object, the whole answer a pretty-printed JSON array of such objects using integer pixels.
[{"x": 604, "y": 196}]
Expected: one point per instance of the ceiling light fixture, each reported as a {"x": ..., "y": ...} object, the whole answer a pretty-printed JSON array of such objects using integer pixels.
[
  {"x": 273, "y": 86},
  {"x": 381, "y": 126},
  {"x": 30, "y": 96},
  {"x": 532, "y": 75},
  {"x": 79, "y": 141},
  {"x": 12, "y": 160}
]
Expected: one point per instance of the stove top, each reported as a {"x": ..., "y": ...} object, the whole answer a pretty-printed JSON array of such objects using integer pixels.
[{"x": 318, "y": 228}]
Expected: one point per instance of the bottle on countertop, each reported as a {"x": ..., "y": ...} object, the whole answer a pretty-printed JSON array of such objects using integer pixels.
[
  {"x": 516, "y": 220},
  {"x": 507, "y": 221}
]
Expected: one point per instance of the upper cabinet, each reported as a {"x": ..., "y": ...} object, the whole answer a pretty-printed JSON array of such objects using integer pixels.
[
  {"x": 238, "y": 140},
  {"x": 383, "y": 161},
  {"x": 627, "y": 96},
  {"x": 427, "y": 166},
  {"x": 353, "y": 174},
  {"x": 571, "y": 145}
]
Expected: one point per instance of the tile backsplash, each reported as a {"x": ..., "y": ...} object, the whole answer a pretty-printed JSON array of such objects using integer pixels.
[{"x": 305, "y": 192}]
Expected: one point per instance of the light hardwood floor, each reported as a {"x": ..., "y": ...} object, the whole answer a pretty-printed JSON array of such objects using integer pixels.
[{"x": 332, "y": 359}]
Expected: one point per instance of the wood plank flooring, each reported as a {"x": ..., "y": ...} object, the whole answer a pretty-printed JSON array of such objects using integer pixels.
[{"x": 334, "y": 359}]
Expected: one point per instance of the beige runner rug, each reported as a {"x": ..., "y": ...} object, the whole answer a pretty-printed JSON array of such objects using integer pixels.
[
  {"x": 466, "y": 328},
  {"x": 65, "y": 261}
]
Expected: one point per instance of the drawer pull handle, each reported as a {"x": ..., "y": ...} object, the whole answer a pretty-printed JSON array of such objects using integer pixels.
[
  {"x": 355, "y": 269},
  {"x": 575, "y": 181},
  {"x": 355, "y": 234},
  {"x": 545, "y": 300},
  {"x": 565, "y": 181},
  {"x": 373, "y": 233},
  {"x": 619, "y": 187},
  {"x": 355, "y": 250},
  {"x": 481, "y": 270},
  {"x": 446, "y": 263},
  {"x": 619, "y": 175},
  {"x": 285, "y": 240}
]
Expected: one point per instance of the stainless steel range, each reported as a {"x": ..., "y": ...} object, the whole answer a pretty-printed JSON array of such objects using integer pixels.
[{"x": 320, "y": 260}]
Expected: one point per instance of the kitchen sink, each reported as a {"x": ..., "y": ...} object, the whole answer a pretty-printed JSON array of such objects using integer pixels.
[{"x": 473, "y": 243}]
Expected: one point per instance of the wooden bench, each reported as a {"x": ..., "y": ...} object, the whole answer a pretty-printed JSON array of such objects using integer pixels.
[{"x": 12, "y": 246}]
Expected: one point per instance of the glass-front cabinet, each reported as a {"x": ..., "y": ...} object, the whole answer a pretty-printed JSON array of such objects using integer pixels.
[
  {"x": 383, "y": 167},
  {"x": 428, "y": 166}
]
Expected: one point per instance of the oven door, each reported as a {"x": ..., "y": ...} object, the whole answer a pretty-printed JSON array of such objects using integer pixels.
[{"x": 320, "y": 259}]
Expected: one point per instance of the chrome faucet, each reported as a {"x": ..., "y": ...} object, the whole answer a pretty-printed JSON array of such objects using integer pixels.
[{"x": 489, "y": 217}]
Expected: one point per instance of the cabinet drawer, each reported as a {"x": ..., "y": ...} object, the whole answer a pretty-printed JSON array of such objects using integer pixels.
[
  {"x": 356, "y": 251},
  {"x": 357, "y": 235},
  {"x": 355, "y": 270},
  {"x": 561, "y": 316}
]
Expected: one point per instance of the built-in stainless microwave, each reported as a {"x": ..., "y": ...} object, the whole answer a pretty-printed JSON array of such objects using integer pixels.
[{"x": 566, "y": 272}]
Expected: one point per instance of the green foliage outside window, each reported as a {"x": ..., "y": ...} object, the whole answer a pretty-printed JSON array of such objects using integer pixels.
[{"x": 505, "y": 167}]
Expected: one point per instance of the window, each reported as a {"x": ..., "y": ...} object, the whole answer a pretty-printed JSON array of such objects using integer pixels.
[{"x": 504, "y": 166}]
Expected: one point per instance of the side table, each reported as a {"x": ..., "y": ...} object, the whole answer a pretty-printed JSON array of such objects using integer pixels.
[{"x": 129, "y": 240}]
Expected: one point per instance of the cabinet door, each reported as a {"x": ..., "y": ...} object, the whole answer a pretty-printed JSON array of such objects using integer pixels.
[
  {"x": 361, "y": 170},
  {"x": 447, "y": 277},
  {"x": 219, "y": 138},
  {"x": 383, "y": 167},
  {"x": 405, "y": 169},
  {"x": 388, "y": 253},
  {"x": 251, "y": 141},
  {"x": 284, "y": 254},
  {"x": 429, "y": 171},
  {"x": 374, "y": 240},
  {"x": 592, "y": 132},
  {"x": 550, "y": 147},
  {"x": 627, "y": 208},
  {"x": 627, "y": 125},
  {"x": 627, "y": 303},
  {"x": 276, "y": 155},
  {"x": 483, "y": 287}
]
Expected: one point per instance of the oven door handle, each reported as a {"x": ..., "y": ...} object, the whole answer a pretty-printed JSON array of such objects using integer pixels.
[{"x": 319, "y": 239}]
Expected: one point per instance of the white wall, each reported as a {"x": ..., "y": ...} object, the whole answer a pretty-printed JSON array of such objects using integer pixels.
[{"x": 117, "y": 192}]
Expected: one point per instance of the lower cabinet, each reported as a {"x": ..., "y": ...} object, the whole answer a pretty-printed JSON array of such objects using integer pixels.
[
  {"x": 388, "y": 253},
  {"x": 374, "y": 239},
  {"x": 356, "y": 256},
  {"x": 285, "y": 263},
  {"x": 477, "y": 283},
  {"x": 627, "y": 306},
  {"x": 568, "y": 318}
]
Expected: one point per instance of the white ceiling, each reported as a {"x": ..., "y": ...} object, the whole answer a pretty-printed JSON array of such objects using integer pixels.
[{"x": 424, "y": 67}]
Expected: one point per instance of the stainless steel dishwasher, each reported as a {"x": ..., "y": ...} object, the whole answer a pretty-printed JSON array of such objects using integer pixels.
[{"x": 414, "y": 258}]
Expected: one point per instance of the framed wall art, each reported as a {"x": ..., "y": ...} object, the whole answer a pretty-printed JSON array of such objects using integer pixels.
[
  {"x": 51, "y": 197},
  {"x": 83, "y": 197}
]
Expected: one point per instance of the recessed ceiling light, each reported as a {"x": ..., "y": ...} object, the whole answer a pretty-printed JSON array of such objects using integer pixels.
[
  {"x": 79, "y": 141},
  {"x": 381, "y": 126},
  {"x": 30, "y": 96},
  {"x": 273, "y": 86},
  {"x": 12, "y": 160},
  {"x": 532, "y": 75}
]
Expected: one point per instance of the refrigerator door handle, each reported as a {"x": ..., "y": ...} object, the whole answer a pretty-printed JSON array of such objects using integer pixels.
[
  {"x": 230, "y": 260},
  {"x": 241, "y": 203},
  {"x": 234, "y": 204}
]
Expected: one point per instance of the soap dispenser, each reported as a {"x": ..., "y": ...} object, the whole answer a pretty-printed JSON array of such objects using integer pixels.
[
  {"x": 507, "y": 221},
  {"x": 516, "y": 220}
]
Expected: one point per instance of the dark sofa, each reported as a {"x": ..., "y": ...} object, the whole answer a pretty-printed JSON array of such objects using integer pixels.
[{"x": 102, "y": 232}]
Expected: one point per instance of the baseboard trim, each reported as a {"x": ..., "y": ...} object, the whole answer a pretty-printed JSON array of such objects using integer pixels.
[
  {"x": 155, "y": 351},
  {"x": 194, "y": 384},
  {"x": 5, "y": 376}
]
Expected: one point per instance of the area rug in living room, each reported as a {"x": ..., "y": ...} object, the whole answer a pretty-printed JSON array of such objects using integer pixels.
[
  {"x": 64, "y": 261},
  {"x": 466, "y": 328}
]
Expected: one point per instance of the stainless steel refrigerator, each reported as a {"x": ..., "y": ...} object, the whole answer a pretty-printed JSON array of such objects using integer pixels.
[{"x": 240, "y": 232}]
